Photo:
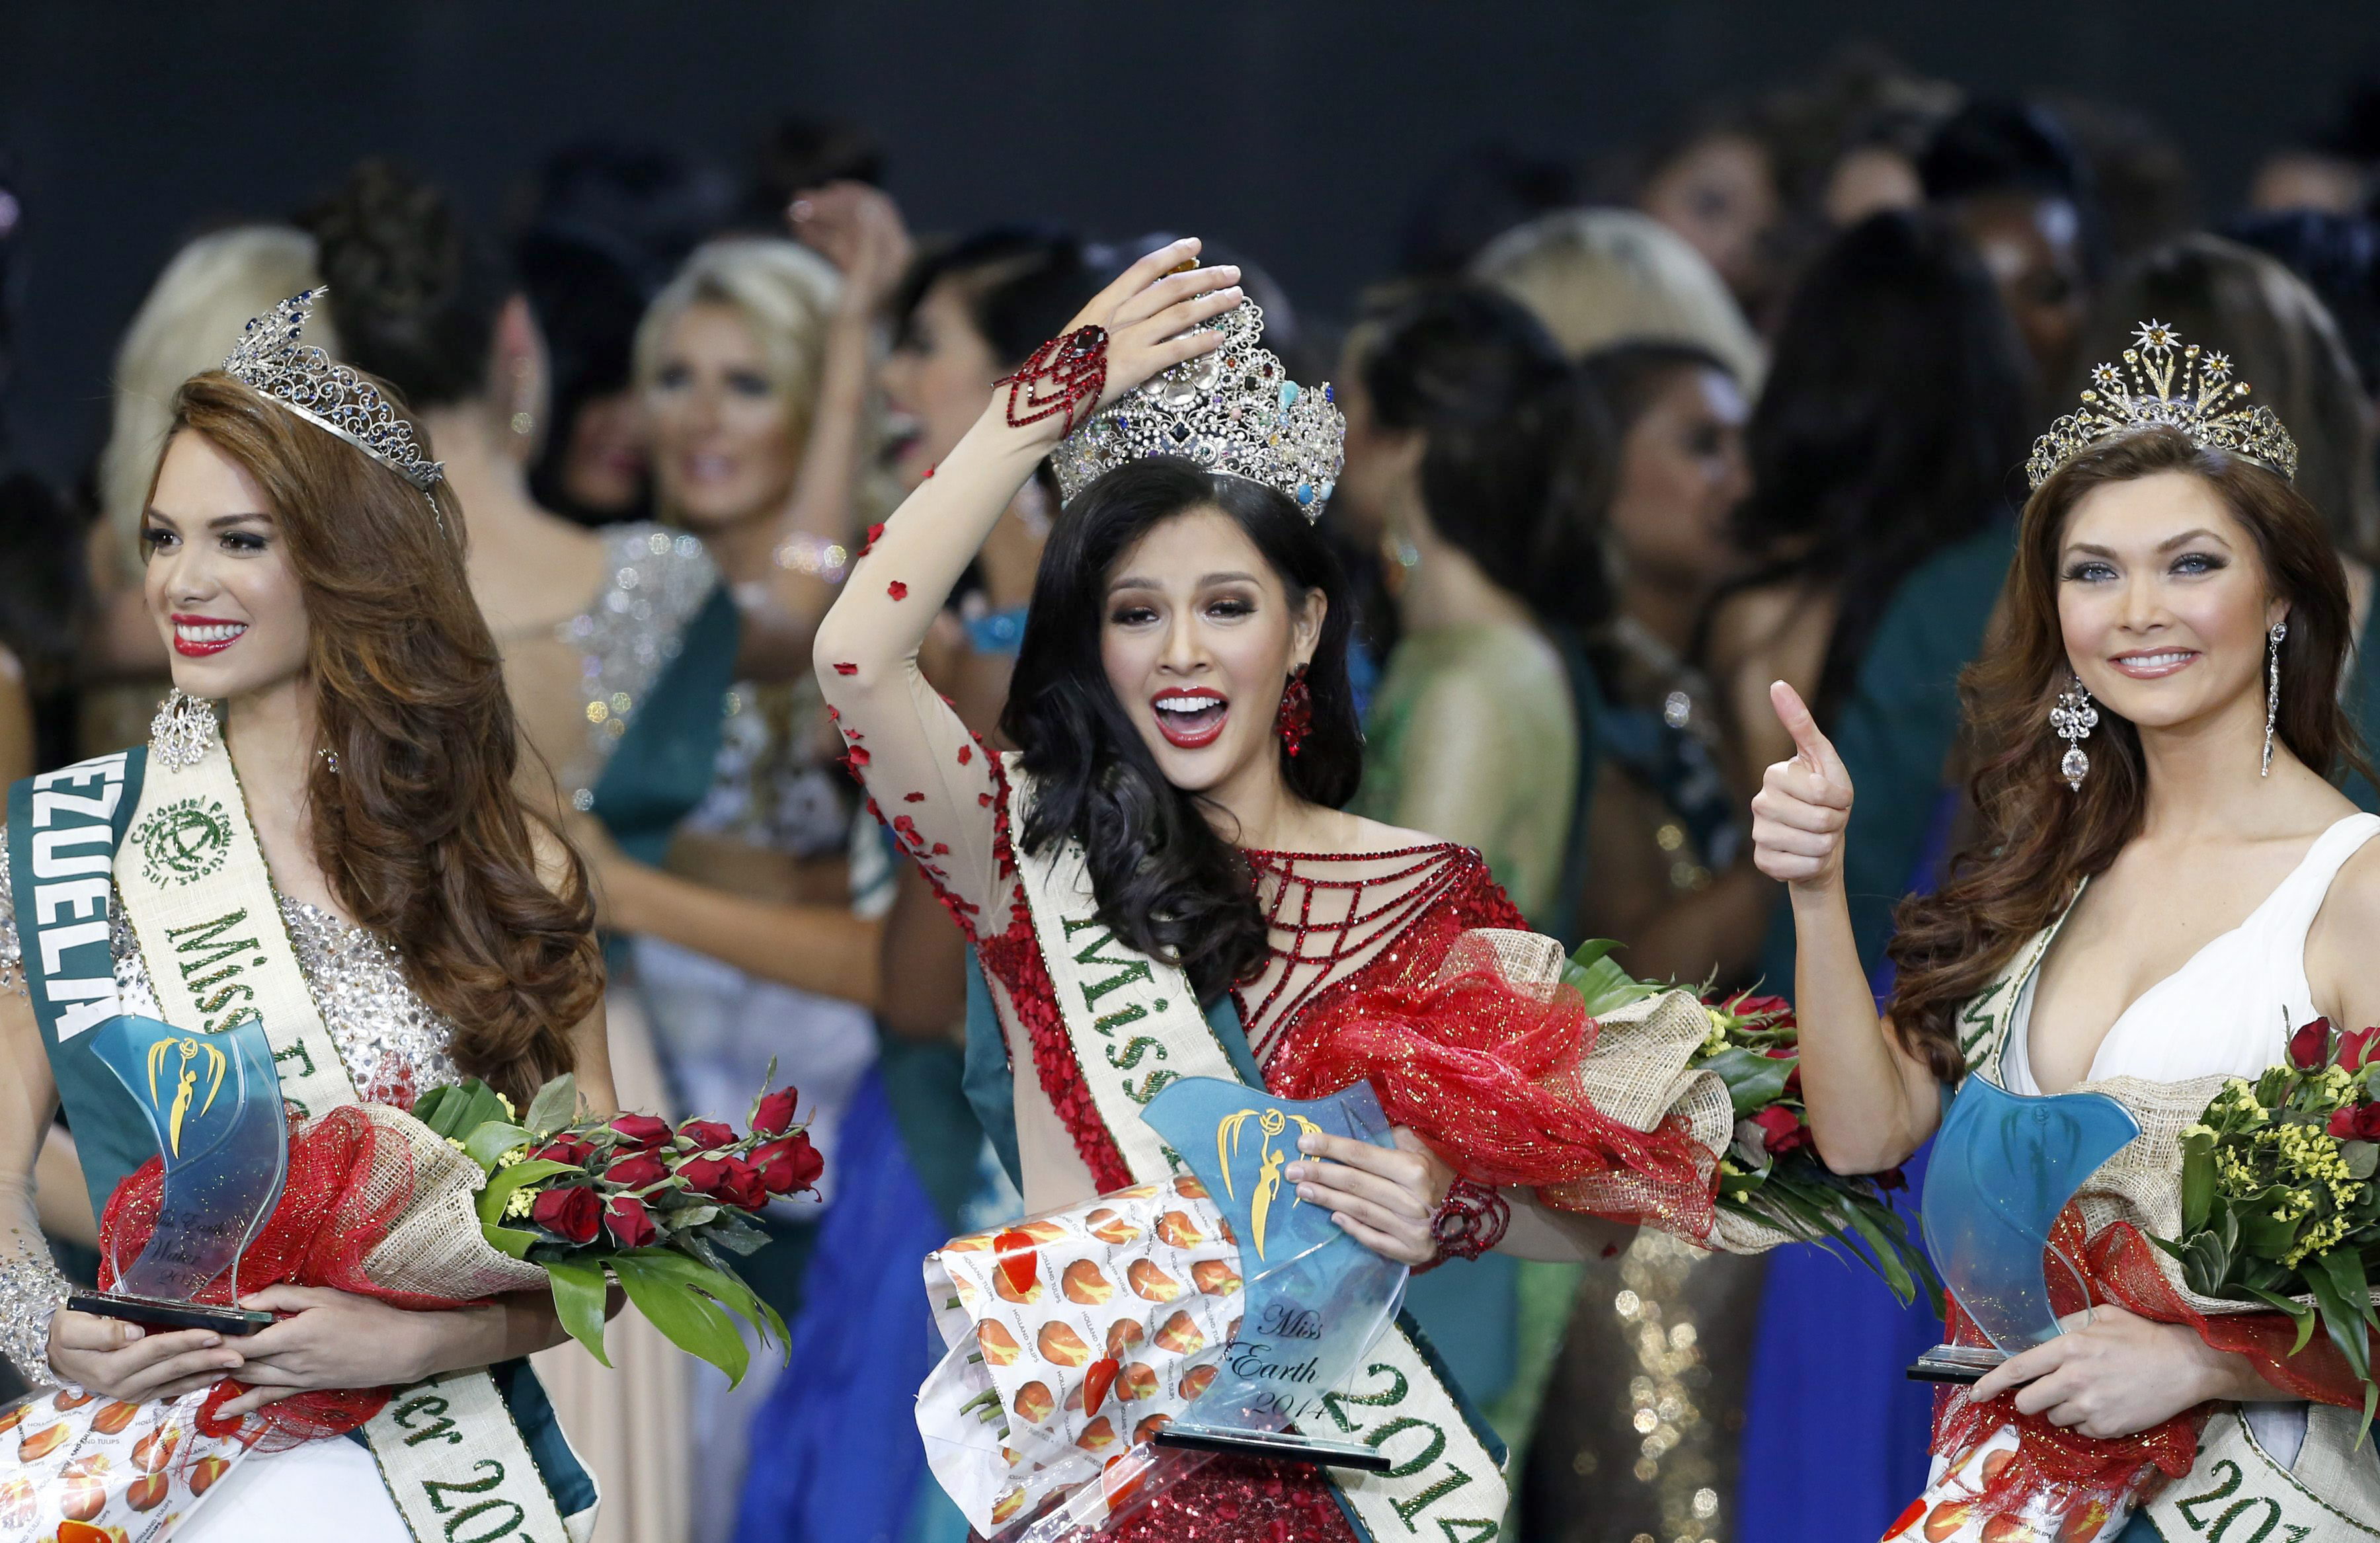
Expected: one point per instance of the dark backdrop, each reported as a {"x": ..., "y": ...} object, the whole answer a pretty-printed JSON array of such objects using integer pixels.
[{"x": 1292, "y": 128}]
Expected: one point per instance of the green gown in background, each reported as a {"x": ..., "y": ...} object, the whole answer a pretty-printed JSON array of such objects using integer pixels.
[{"x": 1472, "y": 738}]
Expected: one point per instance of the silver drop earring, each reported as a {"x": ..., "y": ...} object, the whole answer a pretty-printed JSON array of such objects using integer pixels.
[
  {"x": 2073, "y": 719},
  {"x": 2272, "y": 688}
]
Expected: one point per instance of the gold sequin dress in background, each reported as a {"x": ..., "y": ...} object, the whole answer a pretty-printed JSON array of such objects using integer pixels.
[{"x": 1638, "y": 1437}]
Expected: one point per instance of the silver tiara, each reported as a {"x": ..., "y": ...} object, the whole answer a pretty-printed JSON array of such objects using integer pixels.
[
  {"x": 1232, "y": 410},
  {"x": 327, "y": 395}
]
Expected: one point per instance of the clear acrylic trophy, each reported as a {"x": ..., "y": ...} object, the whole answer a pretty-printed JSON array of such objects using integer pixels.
[
  {"x": 1316, "y": 1298},
  {"x": 214, "y": 1105},
  {"x": 2003, "y": 1167}
]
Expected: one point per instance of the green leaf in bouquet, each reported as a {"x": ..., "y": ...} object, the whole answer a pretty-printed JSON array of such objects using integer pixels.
[
  {"x": 507, "y": 1240},
  {"x": 458, "y": 1108},
  {"x": 686, "y": 1317},
  {"x": 2302, "y": 1315},
  {"x": 2261, "y": 1230},
  {"x": 2205, "y": 1263},
  {"x": 721, "y": 1282},
  {"x": 2362, "y": 1158},
  {"x": 1753, "y": 1081},
  {"x": 1883, "y": 1257},
  {"x": 580, "y": 1297},
  {"x": 735, "y": 1233},
  {"x": 2344, "y": 1295},
  {"x": 491, "y": 1140},
  {"x": 767, "y": 1081},
  {"x": 504, "y": 1181},
  {"x": 2197, "y": 1178},
  {"x": 556, "y": 1105},
  {"x": 1603, "y": 985}
]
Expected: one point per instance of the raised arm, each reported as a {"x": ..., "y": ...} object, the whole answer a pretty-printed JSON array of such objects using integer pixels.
[
  {"x": 931, "y": 782},
  {"x": 1871, "y": 1103}
]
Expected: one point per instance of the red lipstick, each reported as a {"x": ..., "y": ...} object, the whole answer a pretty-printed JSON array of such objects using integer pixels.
[
  {"x": 1190, "y": 716},
  {"x": 202, "y": 637}
]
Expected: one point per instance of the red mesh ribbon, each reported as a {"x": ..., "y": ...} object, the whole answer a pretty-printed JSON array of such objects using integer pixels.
[
  {"x": 349, "y": 1183},
  {"x": 2068, "y": 1469},
  {"x": 1487, "y": 1072}
]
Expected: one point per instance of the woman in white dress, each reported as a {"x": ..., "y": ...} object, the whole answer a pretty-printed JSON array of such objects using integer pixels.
[
  {"x": 2165, "y": 905},
  {"x": 430, "y": 923}
]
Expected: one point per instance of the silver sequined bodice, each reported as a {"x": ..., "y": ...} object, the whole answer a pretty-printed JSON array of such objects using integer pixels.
[
  {"x": 393, "y": 1045},
  {"x": 654, "y": 582}
]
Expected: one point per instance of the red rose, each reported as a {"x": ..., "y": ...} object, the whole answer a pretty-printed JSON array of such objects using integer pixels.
[
  {"x": 1781, "y": 1130},
  {"x": 1892, "y": 1178},
  {"x": 573, "y": 1212},
  {"x": 638, "y": 1172},
  {"x": 2358, "y": 1050},
  {"x": 730, "y": 1179},
  {"x": 707, "y": 1133},
  {"x": 1776, "y": 1009},
  {"x": 2357, "y": 1122},
  {"x": 644, "y": 1130},
  {"x": 2310, "y": 1047},
  {"x": 788, "y": 1165},
  {"x": 1793, "y": 1081},
  {"x": 627, "y": 1221},
  {"x": 571, "y": 1149},
  {"x": 777, "y": 1109}
]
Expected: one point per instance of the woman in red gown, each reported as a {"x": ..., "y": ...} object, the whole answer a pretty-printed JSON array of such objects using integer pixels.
[{"x": 1181, "y": 708}]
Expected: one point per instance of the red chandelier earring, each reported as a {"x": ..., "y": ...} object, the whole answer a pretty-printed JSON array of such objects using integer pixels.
[{"x": 1296, "y": 720}]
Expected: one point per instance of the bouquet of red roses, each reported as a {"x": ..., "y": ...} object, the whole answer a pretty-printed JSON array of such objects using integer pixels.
[
  {"x": 1771, "y": 1173},
  {"x": 630, "y": 1199}
]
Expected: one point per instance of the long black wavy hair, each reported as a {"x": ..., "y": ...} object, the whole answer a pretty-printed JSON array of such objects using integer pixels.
[{"x": 1165, "y": 881}]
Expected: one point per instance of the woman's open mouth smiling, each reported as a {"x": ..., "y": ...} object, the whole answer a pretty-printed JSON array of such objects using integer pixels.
[
  {"x": 1190, "y": 716},
  {"x": 2153, "y": 664},
  {"x": 197, "y": 636}
]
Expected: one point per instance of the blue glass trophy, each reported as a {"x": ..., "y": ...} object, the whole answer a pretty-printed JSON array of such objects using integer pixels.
[
  {"x": 2004, "y": 1166},
  {"x": 213, "y": 1103},
  {"x": 1316, "y": 1298}
]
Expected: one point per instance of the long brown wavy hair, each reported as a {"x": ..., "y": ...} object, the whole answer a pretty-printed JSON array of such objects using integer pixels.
[
  {"x": 2036, "y": 839},
  {"x": 419, "y": 828}
]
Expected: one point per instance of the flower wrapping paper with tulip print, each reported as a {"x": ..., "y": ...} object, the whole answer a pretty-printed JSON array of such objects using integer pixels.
[
  {"x": 87, "y": 1469},
  {"x": 1073, "y": 1336}
]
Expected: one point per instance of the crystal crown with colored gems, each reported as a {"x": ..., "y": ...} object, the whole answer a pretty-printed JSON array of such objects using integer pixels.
[
  {"x": 327, "y": 395},
  {"x": 1232, "y": 410},
  {"x": 2165, "y": 383}
]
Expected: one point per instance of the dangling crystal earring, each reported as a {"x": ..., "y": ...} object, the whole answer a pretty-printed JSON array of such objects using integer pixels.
[
  {"x": 1296, "y": 719},
  {"x": 2272, "y": 688},
  {"x": 2073, "y": 719},
  {"x": 183, "y": 731}
]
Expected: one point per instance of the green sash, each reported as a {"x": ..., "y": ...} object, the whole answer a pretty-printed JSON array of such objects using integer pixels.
[{"x": 178, "y": 845}]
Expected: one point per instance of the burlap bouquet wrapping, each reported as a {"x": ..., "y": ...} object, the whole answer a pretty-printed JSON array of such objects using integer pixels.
[
  {"x": 376, "y": 1204},
  {"x": 1495, "y": 1062},
  {"x": 2036, "y": 1468}
]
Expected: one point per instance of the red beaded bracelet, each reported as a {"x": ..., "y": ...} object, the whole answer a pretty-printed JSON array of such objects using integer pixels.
[
  {"x": 1059, "y": 377},
  {"x": 1469, "y": 1223}
]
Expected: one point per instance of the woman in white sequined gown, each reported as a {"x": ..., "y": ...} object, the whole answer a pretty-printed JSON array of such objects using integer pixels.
[{"x": 322, "y": 600}]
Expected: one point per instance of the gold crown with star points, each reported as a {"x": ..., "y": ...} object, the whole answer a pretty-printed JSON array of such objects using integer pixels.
[{"x": 2165, "y": 383}]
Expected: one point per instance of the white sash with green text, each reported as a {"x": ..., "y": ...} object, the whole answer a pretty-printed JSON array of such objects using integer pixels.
[
  {"x": 1134, "y": 1025},
  {"x": 198, "y": 897}
]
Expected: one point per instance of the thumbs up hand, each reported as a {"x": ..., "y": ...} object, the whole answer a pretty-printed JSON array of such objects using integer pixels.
[{"x": 1803, "y": 803}]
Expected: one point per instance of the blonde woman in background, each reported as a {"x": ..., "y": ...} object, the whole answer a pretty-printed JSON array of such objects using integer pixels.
[
  {"x": 205, "y": 295},
  {"x": 618, "y": 647},
  {"x": 1599, "y": 277},
  {"x": 758, "y": 935}
]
